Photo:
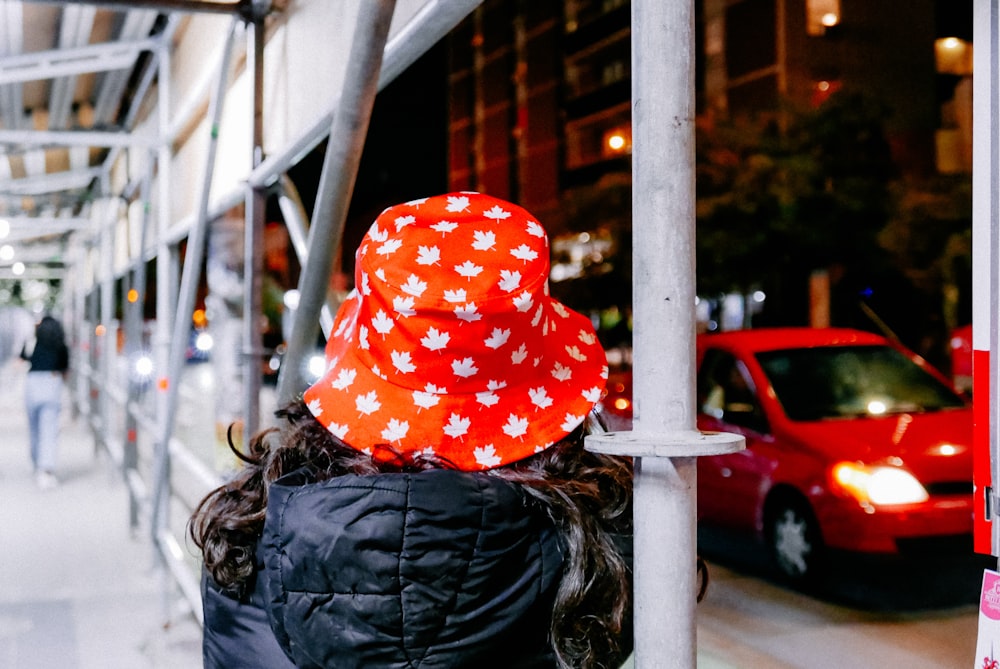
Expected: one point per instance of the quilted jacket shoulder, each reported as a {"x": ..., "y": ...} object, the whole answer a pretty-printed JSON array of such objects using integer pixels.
[{"x": 433, "y": 569}]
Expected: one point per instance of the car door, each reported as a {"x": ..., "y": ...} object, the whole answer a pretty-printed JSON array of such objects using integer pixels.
[{"x": 729, "y": 486}]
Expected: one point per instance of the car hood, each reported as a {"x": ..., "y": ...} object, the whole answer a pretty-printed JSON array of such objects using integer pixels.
[{"x": 933, "y": 446}]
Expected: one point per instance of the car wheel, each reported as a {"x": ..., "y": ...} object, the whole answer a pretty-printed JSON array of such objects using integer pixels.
[{"x": 794, "y": 540}]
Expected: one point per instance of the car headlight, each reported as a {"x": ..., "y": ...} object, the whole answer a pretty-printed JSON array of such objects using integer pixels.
[{"x": 879, "y": 485}]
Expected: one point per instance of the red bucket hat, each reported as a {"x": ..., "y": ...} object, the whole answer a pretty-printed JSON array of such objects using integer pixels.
[{"x": 450, "y": 344}]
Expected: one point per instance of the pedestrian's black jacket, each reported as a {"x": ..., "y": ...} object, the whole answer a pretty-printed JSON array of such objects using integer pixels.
[{"x": 427, "y": 570}]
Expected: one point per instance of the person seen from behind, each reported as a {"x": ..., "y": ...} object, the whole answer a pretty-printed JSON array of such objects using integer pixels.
[
  {"x": 43, "y": 390},
  {"x": 428, "y": 502}
]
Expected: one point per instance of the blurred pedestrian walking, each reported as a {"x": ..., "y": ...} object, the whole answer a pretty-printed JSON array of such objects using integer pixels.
[{"x": 43, "y": 390}]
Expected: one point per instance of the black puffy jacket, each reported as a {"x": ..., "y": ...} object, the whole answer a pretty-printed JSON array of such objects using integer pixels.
[{"x": 434, "y": 569}]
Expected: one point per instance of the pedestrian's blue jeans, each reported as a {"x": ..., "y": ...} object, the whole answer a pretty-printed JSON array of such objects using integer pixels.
[{"x": 43, "y": 400}]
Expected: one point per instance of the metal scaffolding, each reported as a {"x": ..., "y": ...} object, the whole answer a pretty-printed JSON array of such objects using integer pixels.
[{"x": 665, "y": 443}]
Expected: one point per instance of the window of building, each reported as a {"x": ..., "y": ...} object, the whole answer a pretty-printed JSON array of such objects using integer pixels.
[{"x": 821, "y": 15}]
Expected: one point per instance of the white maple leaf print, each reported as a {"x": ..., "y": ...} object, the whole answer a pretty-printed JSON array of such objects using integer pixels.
[
  {"x": 465, "y": 367},
  {"x": 414, "y": 286},
  {"x": 344, "y": 379},
  {"x": 389, "y": 247},
  {"x": 403, "y": 221},
  {"x": 315, "y": 407},
  {"x": 468, "y": 269},
  {"x": 377, "y": 234},
  {"x": 378, "y": 372},
  {"x": 537, "y": 318},
  {"x": 402, "y": 362},
  {"x": 570, "y": 422},
  {"x": 497, "y": 213},
  {"x": 575, "y": 353},
  {"x": 509, "y": 281},
  {"x": 524, "y": 252},
  {"x": 560, "y": 309},
  {"x": 587, "y": 338},
  {"x": 457, "y": 203},
  {"x": 367, "y": 403},
  {"x": 427, "y": 452},
  {"x": 523, "y": 301},
  {"x": 342, "y": 327},
  {"x": 426, "y": 398},
  {"x": 561, "y": 372},
  {"x": 338, "y": 430},
  {"x": 382, "y": 323},
  {"x": 496, "y": 385},
  {"x": 395, "y": 430},
  {"x": 380, "y": 273},
  {"x": 519, "y": 356},
  {"x": 484, "y": 241},
  {"x": 486, "y": 456},
  {"x": 540, "y": 397},
  {"x": 515, "y": 427},
  {"x": 497, "y": 338},
  {"x": 403, "y": 305},
  {"x": 366, "y": 287},
  {"x": 457, "y": 426},
  {"x": 468, "y": 312},
  {"x": 454, "y": 296},
  {"x": 535, "y": 230},
  {"x": 417, "y": 202},
  {"x": 435, "y": 340},
  {"x": 444, "y": 227},
  {"x": 487, "y": 398},
  {"x": 592, "y": 395},
  {"x": 363, "y": 337},
  {"x": 428, "y": 255}
]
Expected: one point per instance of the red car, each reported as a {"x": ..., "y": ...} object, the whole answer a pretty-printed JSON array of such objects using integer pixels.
[{"x": 853, "y": 443}]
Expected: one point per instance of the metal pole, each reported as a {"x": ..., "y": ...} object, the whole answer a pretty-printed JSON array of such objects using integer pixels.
[
  {"x": 106, "y": 340},
  {"x": 166, "y": 267},
  {"x": 190, "y": 277},
  {"x": 186, "y": 6},
  {"x": 253, "y": 238},
  {"x": 986, "y": 272},
  {"x": 134, "y": 313},
  {"x": 665, "y": 441},
  {"x": 340, "y": 169},
  {"x": 297, "y": 223}
]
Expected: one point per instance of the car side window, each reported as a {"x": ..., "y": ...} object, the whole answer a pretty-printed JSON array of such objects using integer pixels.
[{"x": 726, "y": 392}]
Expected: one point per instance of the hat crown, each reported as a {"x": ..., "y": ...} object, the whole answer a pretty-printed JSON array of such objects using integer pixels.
[{"x": 462, "y": 285}]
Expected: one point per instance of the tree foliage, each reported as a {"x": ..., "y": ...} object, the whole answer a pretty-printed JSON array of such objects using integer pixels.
[{"x": 774, "y": 205}]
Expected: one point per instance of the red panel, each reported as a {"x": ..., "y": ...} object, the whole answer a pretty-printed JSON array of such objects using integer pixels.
[{"x": 981, "y": 467}]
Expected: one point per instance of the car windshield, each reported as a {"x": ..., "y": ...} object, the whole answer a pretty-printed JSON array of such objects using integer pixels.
[{"x": 850, "y": 381}]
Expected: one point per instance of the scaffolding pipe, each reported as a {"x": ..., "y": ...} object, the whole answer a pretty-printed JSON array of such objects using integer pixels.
[
  {"x": 336, "y": 183},
  {"x": 665, "y": 441},
  {"x": 434, "y": 20},
  {"x": 133, "y": 343},
  {"x": 253, "y": 233},
  {"x": 186, "y": 6},
  {"x": 107, "y": 332},
  {"x": 297, "y": 224},
  {"x": 190, "y": 277}
]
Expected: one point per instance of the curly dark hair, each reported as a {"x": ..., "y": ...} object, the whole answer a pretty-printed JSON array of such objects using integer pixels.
[{"x": 586, "y": 495}]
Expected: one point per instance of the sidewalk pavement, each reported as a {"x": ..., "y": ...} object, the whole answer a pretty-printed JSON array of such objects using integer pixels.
[{"x": 77, "y": 589}]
